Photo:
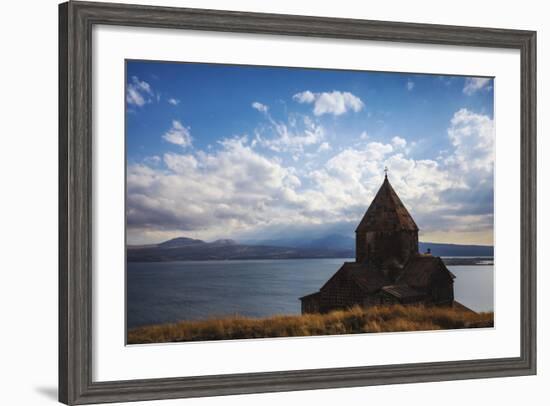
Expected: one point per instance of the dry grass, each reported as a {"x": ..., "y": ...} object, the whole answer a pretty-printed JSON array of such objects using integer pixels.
[{"x": 355, "y": 320}]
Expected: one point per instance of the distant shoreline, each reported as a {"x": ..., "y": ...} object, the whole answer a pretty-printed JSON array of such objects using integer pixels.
[
  {"x": 449, "y": 261},
  {"x": 188, "y": 249}
]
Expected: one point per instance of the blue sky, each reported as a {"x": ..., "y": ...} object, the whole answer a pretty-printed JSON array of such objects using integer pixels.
[{"x": 244, "y": 152}]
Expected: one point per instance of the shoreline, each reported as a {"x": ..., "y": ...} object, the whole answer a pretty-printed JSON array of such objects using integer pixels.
[{"x": 450, "y": 261}]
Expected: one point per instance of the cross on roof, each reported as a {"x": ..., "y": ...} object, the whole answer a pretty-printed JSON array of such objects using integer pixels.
[{"x": 386, "y": 171}]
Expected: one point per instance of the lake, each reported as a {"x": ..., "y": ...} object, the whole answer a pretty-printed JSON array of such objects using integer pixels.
[{"x": 162, "y": 292}]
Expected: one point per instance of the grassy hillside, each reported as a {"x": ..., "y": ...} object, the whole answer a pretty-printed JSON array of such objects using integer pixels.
[{"x": 355, "y": 320}]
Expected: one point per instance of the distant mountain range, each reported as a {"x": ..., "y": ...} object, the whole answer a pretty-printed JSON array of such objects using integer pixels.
[
  {"x": 329, "y": 246},
  {"x": 330, "y": 241}
]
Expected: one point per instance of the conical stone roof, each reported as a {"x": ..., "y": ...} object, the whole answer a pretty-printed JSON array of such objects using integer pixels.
[{"x": 386, "y": 212}]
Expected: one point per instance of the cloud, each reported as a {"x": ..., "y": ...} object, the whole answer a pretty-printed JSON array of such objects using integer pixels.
[
  {"x": 153, "y": 160},
  {"x": 294, "y": 135},
  {"x": 237, "y": 189},
  {"x": 173, "y": 102},
  {"x": 260, "y": 107},
  {"x": 335, "y": 102},
  {"x": 178, "y": 134},
  {"x": 352, "y": 177},
  {"x": 142, "y": 85},
  {"x": 134, "y": 97},
  {"x": 449, "y": 197},
  {"x": 364, "y": 136},
  {"x": 180, "y": 163},
  {"x": 287, "y": 140},
  {"x": 410, "y": 85},
  {"x": 304, "y": 97},
  {"x": 472, "y": 85},
  {"x": 138, "y": 92},
  {"x": 472, "y": 136},
  {"x": 399, "y": 142},
  {"x": 325, "y": 146},
  {"x": 213, "y": 193}
]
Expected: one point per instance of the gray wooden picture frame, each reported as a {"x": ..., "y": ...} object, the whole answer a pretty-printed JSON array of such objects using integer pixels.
[{"x": 76, "y": 20}]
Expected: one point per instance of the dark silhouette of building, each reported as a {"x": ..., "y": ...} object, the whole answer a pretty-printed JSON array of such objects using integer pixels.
[{"x": 388, "y": 268}]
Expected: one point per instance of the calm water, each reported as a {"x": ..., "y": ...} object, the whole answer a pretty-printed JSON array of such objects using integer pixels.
[{"x": 170, "y": 291}]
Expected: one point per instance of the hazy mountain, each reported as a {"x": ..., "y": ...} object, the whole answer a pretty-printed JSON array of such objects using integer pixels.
[
  {"x": 186, "y": 249},
  {"x": 224, "y": 242},
  {"x": 180, "y": 242},
  {"x": 338, "y": 241},
  {"x": 333, "y": 241},
  {"x": 329, "y": 246}
]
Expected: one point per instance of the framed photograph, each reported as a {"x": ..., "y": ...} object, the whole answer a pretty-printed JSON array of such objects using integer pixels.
[{"x": 258, "y": 202}]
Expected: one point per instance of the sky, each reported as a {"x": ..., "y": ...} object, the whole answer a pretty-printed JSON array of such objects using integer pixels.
[{"x": 251, "y": 153}]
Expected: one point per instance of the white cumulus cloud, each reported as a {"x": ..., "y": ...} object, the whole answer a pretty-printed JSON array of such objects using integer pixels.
[
  {"x": 178, "y": 134},
  {"x": 214, "y": 193},
  {"x": 304, "y": 97},
  {"x": 335, "y": 102},
  {"x": 173, "y": 102},
  {"x": 399, "y": 142},
  {"x": 472, "y": 136},
  {"x": 237, "y": 188}
]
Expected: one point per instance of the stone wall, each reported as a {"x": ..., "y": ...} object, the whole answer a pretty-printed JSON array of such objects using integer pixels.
[{"x": 384, "y": 246}]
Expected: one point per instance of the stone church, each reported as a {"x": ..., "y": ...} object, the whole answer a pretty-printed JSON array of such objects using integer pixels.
[{"x": 388, "y": 268}]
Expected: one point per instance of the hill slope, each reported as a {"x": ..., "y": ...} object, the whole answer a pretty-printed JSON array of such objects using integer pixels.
[{"x": 355, "y": 320}]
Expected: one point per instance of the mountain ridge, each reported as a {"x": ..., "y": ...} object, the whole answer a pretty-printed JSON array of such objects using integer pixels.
[{"x": 329, "y": 246}]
